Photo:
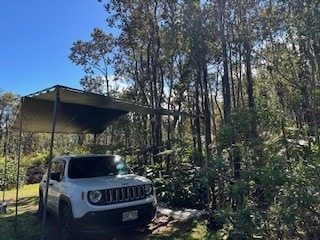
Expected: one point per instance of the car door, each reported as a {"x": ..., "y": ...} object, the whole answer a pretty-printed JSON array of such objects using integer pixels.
[{"x": 55, "y": 185}]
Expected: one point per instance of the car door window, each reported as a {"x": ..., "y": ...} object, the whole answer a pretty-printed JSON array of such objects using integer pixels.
[{"x": 57, "y": 170}]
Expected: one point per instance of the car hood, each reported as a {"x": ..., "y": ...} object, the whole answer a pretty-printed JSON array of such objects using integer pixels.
[{"x": 107, "y": 182}]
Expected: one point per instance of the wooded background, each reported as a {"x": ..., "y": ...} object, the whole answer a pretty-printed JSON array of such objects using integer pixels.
[{"x": 249, "y": 70}]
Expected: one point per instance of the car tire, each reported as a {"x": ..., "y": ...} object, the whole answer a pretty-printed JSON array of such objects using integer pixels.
[
  {"x": 40, "y": 205},
  {"x": 66, "y": 224}
]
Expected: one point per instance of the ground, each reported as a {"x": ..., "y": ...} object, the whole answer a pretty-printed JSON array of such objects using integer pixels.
[
  {"x": 169, "y": 224},
  {"x": 163, "y": 227}
]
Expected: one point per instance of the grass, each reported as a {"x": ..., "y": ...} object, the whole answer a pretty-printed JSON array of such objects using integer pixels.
[
  {"x": 25, "y": 192},
  {"x": 29, "y": 224}
]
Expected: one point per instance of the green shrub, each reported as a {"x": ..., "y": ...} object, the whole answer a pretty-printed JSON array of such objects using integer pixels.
[
  {"x": 185, "y": 187},
  {"x": 35, "y": 167},
  {"x": 8, "y": 174},
  {"x": 34, "y": 174},
  {"x": 280, "y": 201}
]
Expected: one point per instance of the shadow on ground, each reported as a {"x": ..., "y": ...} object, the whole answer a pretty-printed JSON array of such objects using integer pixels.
[{"x": 162, "y": 228}]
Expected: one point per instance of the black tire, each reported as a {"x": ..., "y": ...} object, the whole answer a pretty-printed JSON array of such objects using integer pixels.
[
  {"x": 66, "y": 224},
  {"x": 40, "y": 205}
]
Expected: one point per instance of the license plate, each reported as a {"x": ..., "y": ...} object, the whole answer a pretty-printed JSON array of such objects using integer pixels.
[{"x": 128, "y": 216}]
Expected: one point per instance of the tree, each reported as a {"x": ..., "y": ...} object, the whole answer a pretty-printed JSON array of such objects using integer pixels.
[
  {"x": 257, "y": 62},
  {"x": 8, "y": 106},
  {"x": 95, "y": 58}
]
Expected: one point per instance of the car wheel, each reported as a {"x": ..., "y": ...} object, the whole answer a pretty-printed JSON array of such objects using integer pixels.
[
  {"x": 66, "y": 225},
  {"x": 40, "y": 205}
]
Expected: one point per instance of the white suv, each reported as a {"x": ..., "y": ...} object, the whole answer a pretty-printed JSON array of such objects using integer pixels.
[{"x": 97, "y": 192}]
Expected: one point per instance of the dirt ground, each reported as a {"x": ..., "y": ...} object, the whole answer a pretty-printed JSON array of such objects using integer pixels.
[{"x": 162, "y": 228}]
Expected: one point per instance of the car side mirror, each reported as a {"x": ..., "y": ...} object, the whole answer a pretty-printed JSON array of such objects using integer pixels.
[{"x": 55, "y": 176}]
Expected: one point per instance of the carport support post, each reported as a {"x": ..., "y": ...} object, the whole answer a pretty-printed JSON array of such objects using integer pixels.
[
  {"x": 18, "y": 168},
  {"x": 44, "y": 214},
  {"x": 5, "y": 158}
]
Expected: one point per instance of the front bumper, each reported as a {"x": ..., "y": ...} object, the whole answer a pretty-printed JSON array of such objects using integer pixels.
[{"x": 111, "y": 220}]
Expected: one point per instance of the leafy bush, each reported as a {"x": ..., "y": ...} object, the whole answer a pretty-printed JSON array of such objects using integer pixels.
[
  {"x": 183, "y": 188},
  {"x": 35, "y": 167},
  {"x": 8, "y": 174},
  {"x": 34, "y": 174},
  {"x": 280, "y": 199}
]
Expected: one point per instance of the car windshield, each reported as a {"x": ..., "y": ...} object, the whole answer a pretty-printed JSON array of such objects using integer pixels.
[{"x": 97, "y": 166}]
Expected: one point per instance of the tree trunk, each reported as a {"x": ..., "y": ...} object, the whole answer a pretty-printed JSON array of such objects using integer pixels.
[
  {"x": 251, "y": 102},
  {"x": 207, "y": 115},
  {"x": 198, "y": 113},
  {"x": 225, "y": 77}
]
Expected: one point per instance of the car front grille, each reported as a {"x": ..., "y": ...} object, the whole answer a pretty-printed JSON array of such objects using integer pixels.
[{"x": 125, "y": 194}]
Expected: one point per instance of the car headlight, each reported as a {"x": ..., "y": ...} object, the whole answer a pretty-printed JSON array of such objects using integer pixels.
[
  {"x": 148, "y": 189},
  {"x": 95, "y": 196}
]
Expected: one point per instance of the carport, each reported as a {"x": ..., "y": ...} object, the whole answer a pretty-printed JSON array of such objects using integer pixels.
[{"x": 61, "y": 109}]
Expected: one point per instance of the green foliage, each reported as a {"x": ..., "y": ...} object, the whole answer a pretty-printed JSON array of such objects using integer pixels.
[
  {"x": 238, "y": 130},
  {"x": 8, "y": 174},
  {"x": 93, "y": 57},
  {"x": 196, "y": 158},
  {"x": 226, "y": 135},
  {"x": 185, "y": 187},
  {"x": 185, "y": 184},
  {"x": 280, "y": 199},
  {"x": 35, "y": 166},
  {"x": 36, "y": 159}
]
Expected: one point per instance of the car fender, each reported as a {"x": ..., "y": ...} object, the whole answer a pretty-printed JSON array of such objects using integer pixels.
[{"x": 65, "y": 200}]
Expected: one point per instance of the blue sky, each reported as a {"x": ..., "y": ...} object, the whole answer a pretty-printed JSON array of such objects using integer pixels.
[{"x": 36, "y": 36}]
